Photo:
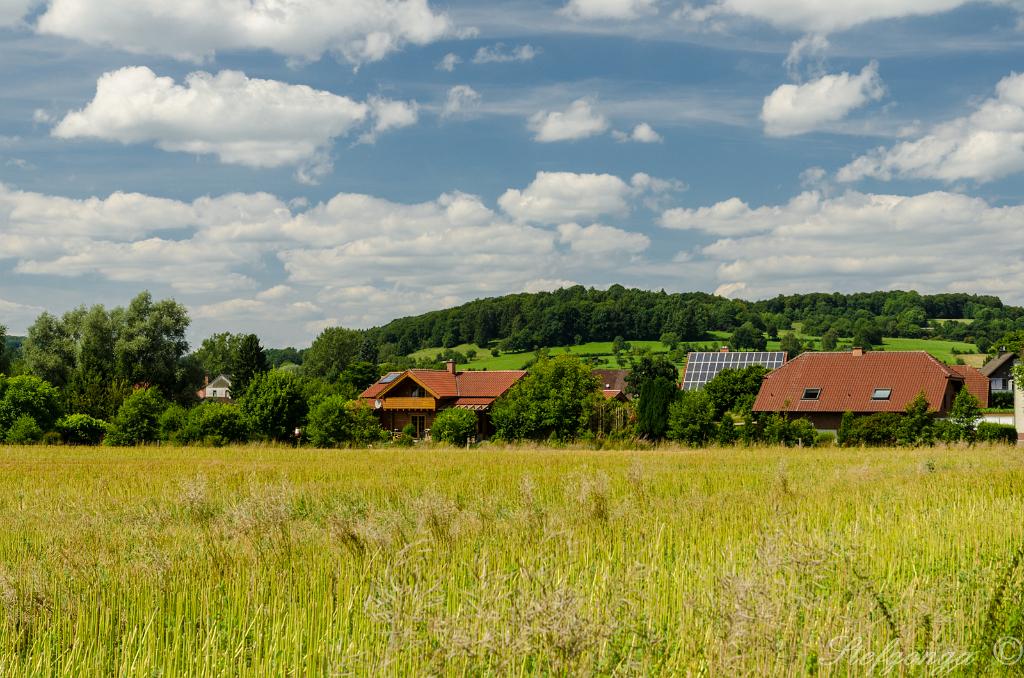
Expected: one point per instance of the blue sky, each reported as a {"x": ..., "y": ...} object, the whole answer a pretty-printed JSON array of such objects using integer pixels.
[{"x": 286, "y": 165}]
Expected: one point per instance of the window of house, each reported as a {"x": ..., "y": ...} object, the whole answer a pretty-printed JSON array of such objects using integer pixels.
[
  {"x": 811, "y": 394},
  {"x": 881, "y": 394},
  {"x": 417, "y": 392},
  {"x": 419, "y": 421}
]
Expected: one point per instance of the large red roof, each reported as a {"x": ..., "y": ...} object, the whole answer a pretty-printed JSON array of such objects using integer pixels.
[
  {"x": 848, "y": 380},
  {"x": 485, "y": 384}
]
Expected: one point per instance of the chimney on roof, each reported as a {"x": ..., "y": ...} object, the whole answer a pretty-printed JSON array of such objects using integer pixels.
[
  {"x": 450, "y": 366},
  {"x": 724, "y": 349},
  {"x": 206, "y": 380},
  {"x": 857, "y": 352}
]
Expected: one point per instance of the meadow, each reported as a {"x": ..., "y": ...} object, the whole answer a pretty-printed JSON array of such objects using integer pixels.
[
  {"x": 257, "y": 561},
  {"x": 484, "y": 359}
]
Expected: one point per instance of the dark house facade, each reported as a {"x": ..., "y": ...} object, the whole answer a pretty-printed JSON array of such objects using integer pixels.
[
  {"x": 821, "y": 387},
  {"x": 998, "y": 371},
  {"x": 417, "y": 396}
]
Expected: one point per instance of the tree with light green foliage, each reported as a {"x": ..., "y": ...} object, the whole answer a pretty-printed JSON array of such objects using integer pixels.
[
  {"x": 334, "y": 349},
  {"x": 917, "y": 426},
  {"x": 217, "y": 353},
  {"x": 141, "y": 344},
  {"x": 81, "y": 429},
  {"x": 554, "y": 401},
  {"x": 274, "y": 405},
  {"x": 965, "y": 415},
  {"x": 138, "y": 419},
  {"x": 734, "y": 390}
]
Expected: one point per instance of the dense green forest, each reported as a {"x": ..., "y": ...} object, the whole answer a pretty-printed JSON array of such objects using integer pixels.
[{"x": 577, "y": 314}]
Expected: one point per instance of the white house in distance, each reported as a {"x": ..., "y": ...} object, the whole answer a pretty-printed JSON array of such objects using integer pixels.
[{"x": 218, "y": 389}]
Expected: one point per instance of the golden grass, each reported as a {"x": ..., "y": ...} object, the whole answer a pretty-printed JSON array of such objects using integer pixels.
[{"x": 267, "y": 561}]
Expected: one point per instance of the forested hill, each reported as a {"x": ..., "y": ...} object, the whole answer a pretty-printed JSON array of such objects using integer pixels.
[{"x": 578, "y": 314}]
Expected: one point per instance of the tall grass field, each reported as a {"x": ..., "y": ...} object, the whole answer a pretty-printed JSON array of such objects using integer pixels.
[{"x": 270, "y": 561}]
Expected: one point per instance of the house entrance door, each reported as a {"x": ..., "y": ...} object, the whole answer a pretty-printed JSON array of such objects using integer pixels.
[{"x": 420, "y": 422}]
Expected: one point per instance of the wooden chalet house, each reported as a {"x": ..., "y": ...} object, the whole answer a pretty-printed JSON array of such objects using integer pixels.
[
  {"x": 416, "y": 396},
  {"x": 821, "y": 387}
]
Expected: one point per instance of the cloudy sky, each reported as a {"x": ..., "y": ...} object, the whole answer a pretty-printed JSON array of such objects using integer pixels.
[{"x": 284, "y": 165}]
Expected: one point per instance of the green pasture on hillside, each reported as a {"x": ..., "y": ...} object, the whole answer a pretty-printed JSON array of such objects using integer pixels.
[
  {"x": 942, "y": 350},
  {"x": 255, "y": 561}
]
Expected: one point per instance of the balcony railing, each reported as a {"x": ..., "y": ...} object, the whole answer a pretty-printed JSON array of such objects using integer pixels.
[{"x": 410, "y": 404}]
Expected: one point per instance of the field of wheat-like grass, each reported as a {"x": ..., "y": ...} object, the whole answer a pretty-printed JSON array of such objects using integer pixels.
[{"x": 274, "y": 561}]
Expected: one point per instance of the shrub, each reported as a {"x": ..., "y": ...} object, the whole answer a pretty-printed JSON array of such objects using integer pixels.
[
  {"x": 24, "y": 430},
  {"x": 1001, "y": 401},
  {"x": 409, "y": 431},
  {"x": 996, "y": 433},
  {"x": 876, "y": 430},
  {"x": 691, "y": 418},
  {"x": 454, "y": 426},
  {"x": 214, "y": 424},
  {"x": 81, "y": 429},
  {"x": 824, "y": 439},
  {"x": 171, "y": 422},
  {"x": 29, "y": 396},
  {"x": 337, "y": 420},
  {"x": 779, "y": 430},
  {"x": 137, "y": 420},
  {"x": 51, "y": 438}
]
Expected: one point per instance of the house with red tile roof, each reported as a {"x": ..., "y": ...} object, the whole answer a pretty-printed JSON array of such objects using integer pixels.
[
  {"x": 417, "y": 396},
  {"x": 821, "y": 387},
  {"x": 612, "y": 383}
]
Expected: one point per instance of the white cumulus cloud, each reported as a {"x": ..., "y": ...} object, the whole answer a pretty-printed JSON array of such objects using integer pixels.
[
  {"x": 933, "y": 242},
  {"x": 241, "y": 120},
  {"x": 798, "y": 109},
  {"x": 985, "y": 145},
  {"x": 358, "y": 32},
  {"x": 641, "y": 134},
  {"x": 554, "y": 197},
  {"x": 579, "y": 121},
  {"x": 598, "y": 240}
]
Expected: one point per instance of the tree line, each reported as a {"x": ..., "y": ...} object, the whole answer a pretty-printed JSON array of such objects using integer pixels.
[
  {"x": 578, "y": 314},
  {"x": 126, "y": 375}
]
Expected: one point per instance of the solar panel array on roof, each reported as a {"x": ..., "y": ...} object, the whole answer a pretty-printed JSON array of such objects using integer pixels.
[
  {"x": 703, "y": 366},
  {"x": 389, "y": 377}
]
